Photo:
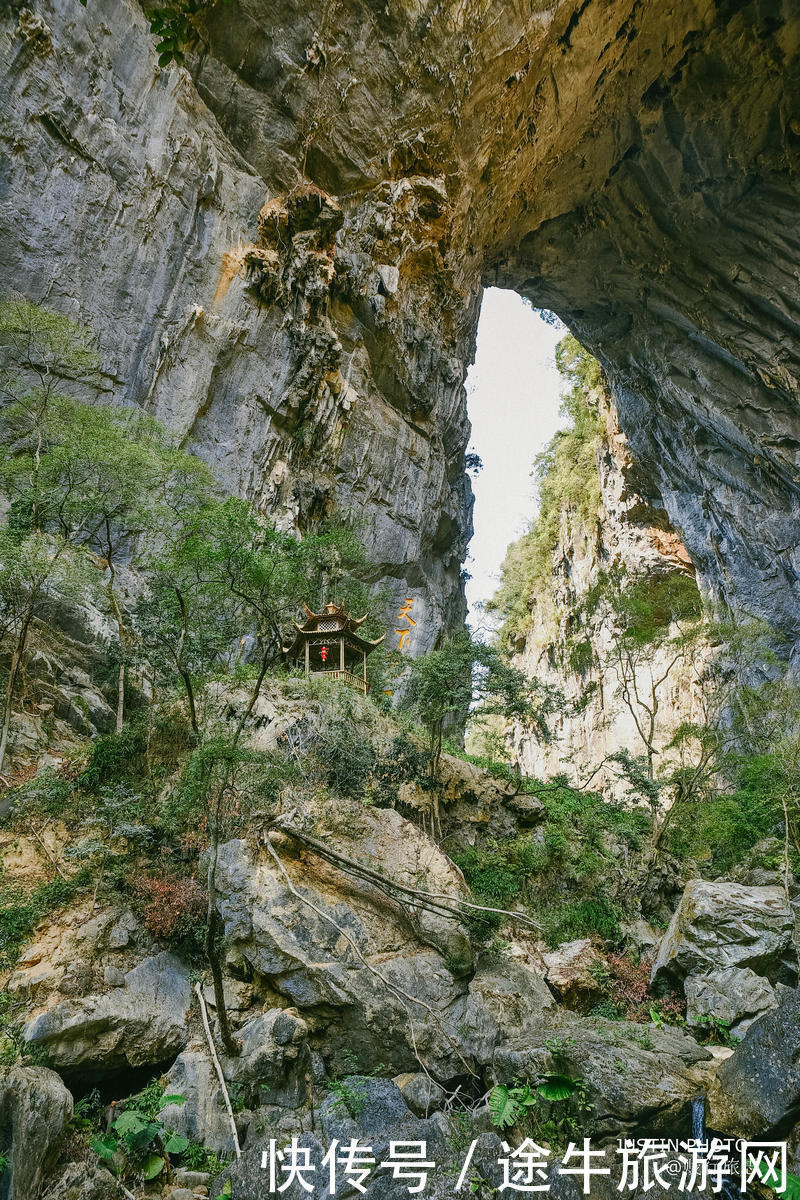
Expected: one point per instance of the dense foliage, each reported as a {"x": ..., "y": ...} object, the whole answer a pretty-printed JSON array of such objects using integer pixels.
[{"x": 572, "y": 873}]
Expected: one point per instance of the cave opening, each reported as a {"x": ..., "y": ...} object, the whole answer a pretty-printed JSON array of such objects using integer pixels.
[{"x": 514, "y": 401}]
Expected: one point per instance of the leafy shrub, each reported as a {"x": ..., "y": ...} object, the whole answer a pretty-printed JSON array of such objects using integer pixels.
[
  {"x": 138, "y": 1144},
  {"x": 116, "y": 756},
  {"x": 582, "y": 918},
  {"x": 21, "y": 911},
  {"x": 507, "y": 1105},
  {"x": 724, "y": 828},
  {"x": 493, "y": 873},
  {"x": 348, "y": 757},
  {"x": 648, "y": 606},
  {"x": 557, "y": 1110},
  {"x": 46, "y": 795},
  {"x": 405, "y": 762},
  {"x": 569, "y": 861},
  {"x": 200, "y": 1158}
]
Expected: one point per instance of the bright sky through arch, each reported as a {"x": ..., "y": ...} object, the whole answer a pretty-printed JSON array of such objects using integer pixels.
[{"x": 514, "y": 396}]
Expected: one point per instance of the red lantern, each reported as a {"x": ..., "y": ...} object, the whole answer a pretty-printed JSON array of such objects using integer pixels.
[{"x": 324, "y": 654}]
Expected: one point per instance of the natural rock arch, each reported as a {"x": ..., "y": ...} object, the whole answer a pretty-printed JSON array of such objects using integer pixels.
[{"x": 631, "y": 166}]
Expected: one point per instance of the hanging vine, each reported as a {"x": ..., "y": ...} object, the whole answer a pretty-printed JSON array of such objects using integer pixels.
[{"x": 181, "y": 29}]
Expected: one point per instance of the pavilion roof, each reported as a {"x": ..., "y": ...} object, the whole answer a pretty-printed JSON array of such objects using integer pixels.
[{"x": 334, "y": 620}]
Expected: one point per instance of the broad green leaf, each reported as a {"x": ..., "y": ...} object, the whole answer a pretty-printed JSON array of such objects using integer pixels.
[
  {"x": 176, "y": 1144},
  {"x": 140, "y": 1139},
  {"x": 556, "y": 1087},
  {"x": 130, "y": 1122},
  {"x": 153, "y": 1165},
  {"x": 105, "y": 1147},
  {"x": 172, "y": 1099},
  {"x": 504, "y": 1109},
  {"x": 788, "y": 1187}
]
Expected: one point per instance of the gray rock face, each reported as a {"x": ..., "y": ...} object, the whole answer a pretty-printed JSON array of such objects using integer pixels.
[
  {"x": 308, "y": 960},
  {"x": 143, "y": 1022},
  {"x": 570, "y": 974},
  {"x": 34, "y": 1110},
  {"x": 276, "y": 343},
  {"x": 421, "y": 1093},
  {"x": 270, "y": 1074},
  {"x": 636, "y": 1077},
  {"x": 719, "y": 925},
  {"x": 382, "y": 1117},
  {"x": 734, "y": 995},
  {"x": 314, "y": 348},
  {"x": 82, "y": 1181},
  {"x": 761, "y": 1079}
]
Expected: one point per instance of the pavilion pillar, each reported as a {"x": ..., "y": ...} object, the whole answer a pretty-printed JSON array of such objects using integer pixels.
[
  {"x": 308, "y": 659},
  {"x": 364, "y": 656},
  {"x": 341, "y": 654}
]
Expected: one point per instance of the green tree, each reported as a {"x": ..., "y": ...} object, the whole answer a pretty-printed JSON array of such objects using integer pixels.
[
  {"x": 80, "y": 477},
  {"x": 39, "y": 350},
  {"x": 223, "y": 585},
  {"x": 108, "y": 476},
  {"x": 464, "y": 674}
]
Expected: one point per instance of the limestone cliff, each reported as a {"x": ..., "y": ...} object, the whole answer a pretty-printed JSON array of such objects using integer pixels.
[
  {"x": 283, "y": 246},
  {"x": 573, "y": 644}
]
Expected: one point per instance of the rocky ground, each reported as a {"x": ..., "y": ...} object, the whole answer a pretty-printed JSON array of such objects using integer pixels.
[{"x": 358, "y": 1013}]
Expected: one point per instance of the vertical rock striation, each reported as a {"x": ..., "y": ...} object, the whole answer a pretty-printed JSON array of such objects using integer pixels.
[
  {"x": 631, "y": 167},
  {"x": 571, "y": 643}
]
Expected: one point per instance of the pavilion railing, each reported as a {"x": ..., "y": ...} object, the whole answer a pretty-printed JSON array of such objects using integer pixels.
[{"x": 353, "y": 681}]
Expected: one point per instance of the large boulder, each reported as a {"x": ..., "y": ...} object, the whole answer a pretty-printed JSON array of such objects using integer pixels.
[
  {"x": 421, "y": 1093},
  {"x": 34, "y": 1110},
  {"x": 377, "y": 1116},
  {"x": 504, "y": 999},
  {"x": 84, "y": 1181},
  {"x": 142, "y": 1023},
  {"x": 760, "y": 1082},
  {"x": 719, "y": 925},
  {"x": 349, "y": 948},
  {"x": 735, "y": 995},
  {"x": 637, "y": 1077},
  {"x": 269, "y": 1074},
  {"x": 250, "y": 1180},
  {"x": 573, "y": 971}
]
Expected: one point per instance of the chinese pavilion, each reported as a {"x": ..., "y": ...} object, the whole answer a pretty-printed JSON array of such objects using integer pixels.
[{"x": 328, "y": 644}]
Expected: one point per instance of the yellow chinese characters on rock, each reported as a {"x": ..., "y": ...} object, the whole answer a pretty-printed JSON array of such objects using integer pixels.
[{"x": 404, "y": 632}]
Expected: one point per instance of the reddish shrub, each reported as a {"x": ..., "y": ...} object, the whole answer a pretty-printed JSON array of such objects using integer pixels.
[
  {"x": 171, "y": 906},
  {"x": 628, "y": 989},
  {"x": 628, "y": 983}
]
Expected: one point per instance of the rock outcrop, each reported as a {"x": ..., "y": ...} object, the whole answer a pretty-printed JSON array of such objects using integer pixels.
[
  {"x": 760, "y": 1082},
  {"x": 735, "y": 996},
  {"x": 721, "y": 925},
  {"x": 270, "y": 1074},
  {"x": 282, "y": 248},
  {"x": 34, "y": 1110},
  {"x": 572, "y": 972},
  {"x": 142, "y": 1023},
  {"x": 572, "y": 640}
]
